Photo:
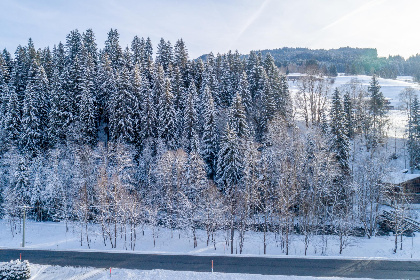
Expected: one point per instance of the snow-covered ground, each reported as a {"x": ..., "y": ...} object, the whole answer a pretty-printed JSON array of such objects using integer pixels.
[
  {"x": 53, "y": 236},
  {"x": 389, "y": 87},
  {"x": 47, "y": 272}
]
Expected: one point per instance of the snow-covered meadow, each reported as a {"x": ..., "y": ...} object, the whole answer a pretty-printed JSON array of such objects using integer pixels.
[
  {"x": 47, "y": 272},
  {"x": 53, "y": 236}
]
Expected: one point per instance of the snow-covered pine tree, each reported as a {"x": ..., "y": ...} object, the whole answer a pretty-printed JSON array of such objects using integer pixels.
[
  {"x": 19, "y": 74},
  {"x": 46, "y": 61},
  {"x": 167, "y": 117},
  {"x": 107, "y": 87},
  {"x": 339, "y": 140},
  {"x": 137, "y": 48},
  {"x": 209, "y": 140},
  {"x": 225, "y": 90},
  {"x": 148, "y": 121},
  {"x": 122, "y": 103},
  {"x": 210, "y": 75},
  {"x": 181, "y": 60},
  {"x": 74, "y": 46},
  {"x": 190, "y": 117},
  {"x": 237, "y": 118},
  {"x": 147, "y": 60},
  {"x": 245, "y": 94},
  {"x": 348, "y": 115},
  {"x": 17, "y": 193},
  {"x": 35, "y": 112},
  {"x": 12, "y": 118},
  {"x": 90, "y": 47},
  {"x": 164, "y": 54},
  {"x": 73, "y": 83},
  {"x": 58, "y": 115},
  {"x": 113, "y": 49},
  {"x": 194, "y": 187},
  {"x": 88, "y": 133},
  {"x": 377, "y": 114},
  {"x": 230, "y": 168},
  {"x": 59, "y": 58},
  {"x": 414, "y": 135}
]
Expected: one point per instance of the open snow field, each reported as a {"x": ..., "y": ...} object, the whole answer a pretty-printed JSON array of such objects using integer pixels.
[
  {"x": 53, "y": 236},
  {"x": 389, "y": 87},
  {"x": 46, "y": 272}
]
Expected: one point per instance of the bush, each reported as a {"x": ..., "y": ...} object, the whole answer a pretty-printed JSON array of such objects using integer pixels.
[{"x": 15, "y": 270}]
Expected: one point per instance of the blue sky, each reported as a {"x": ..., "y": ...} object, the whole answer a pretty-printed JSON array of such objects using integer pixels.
[{"x": 388, "y": 25}]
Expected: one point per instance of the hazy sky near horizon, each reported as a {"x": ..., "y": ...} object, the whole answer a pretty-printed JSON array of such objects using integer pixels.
[{"x": 220, "y": 25}]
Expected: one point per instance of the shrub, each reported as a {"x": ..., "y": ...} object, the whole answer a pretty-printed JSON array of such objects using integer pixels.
[{"x": 15, "y": 270}]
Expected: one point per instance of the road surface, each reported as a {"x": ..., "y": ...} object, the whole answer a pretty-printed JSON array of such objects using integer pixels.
[{"x": 382, "y": 269}]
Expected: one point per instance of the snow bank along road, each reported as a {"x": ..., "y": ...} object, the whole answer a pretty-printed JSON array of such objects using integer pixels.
[{"x": 383, "y": 269}]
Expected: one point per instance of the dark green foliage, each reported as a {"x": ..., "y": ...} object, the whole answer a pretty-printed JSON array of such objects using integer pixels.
[
  {"x": 376, "y": 121},
  {"x": 414, "y": 134},
  {"x": 338, "y": 133}
]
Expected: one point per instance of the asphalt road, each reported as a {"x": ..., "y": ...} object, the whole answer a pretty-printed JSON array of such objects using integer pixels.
[{"x": 381, "y": 269}]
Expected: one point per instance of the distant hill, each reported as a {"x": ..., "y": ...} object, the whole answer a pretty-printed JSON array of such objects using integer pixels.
[{"x": 344, "y": 60}]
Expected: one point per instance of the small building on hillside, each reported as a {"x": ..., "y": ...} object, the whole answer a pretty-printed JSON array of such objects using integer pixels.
[{"x": 408, "y": 184}]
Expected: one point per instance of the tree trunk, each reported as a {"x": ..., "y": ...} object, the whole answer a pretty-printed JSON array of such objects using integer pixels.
[
  {"x": 265, "y": 231},
  {"x": 232, "y": 232}
]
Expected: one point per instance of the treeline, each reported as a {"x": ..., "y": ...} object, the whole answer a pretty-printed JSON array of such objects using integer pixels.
[
  {"x": 352, "y": 61},
  {"x": 123, "y": 139}
]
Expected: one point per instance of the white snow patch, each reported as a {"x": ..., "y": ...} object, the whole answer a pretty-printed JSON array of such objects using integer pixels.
[{"x": 45, "y": 272}]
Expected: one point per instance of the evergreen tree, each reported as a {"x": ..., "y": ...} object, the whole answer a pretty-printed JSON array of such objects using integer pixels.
[
  {"x": 230, "y": 170},
  {"x": 74, "y": 46},
  {"x": 147, "y": 60},
  {"x": 414, "y": 134},
  {"x": 164, "y": 54},
  {"x": 87, "y": 116},
  {"x": 167, "y": 117},
  {"x": 113, "y": 49},
  {"x": 348, "y": 115},
  {"x": 47, "y": 62},
  {"x": 35, "y": 112},
  {"x": 122, "y": 103},
  {"x": 73, "y": 84},
  {"x": 339, "y": 142},
  {"x": 284, "y": 102},
  {"x": 137, "y": 80},
  {"x": 59, "y": 58},
  {"x": 148, "y": 121},
  {"x": 245, "y": 94},
  {"x": 230, "y": 163},
  {"x": 12, "y": 119},
  {"x": 181, "y": 60},
  {"x": 107, "y": 87},
  {"x": 89, "y": 46},
  {"x": 19, "y": 74},
  {"x": 377, "y": 114},
  {"x": 19, "y": 192},
  {"x": 190, "y": 117},
  {"x": 137, "y": 48},
  {"x": 237, "y": 118},
  {"x": 225, "y": 91},
  {"x": 59, "y": 116},
  {"x": 209, "y": 139}
]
